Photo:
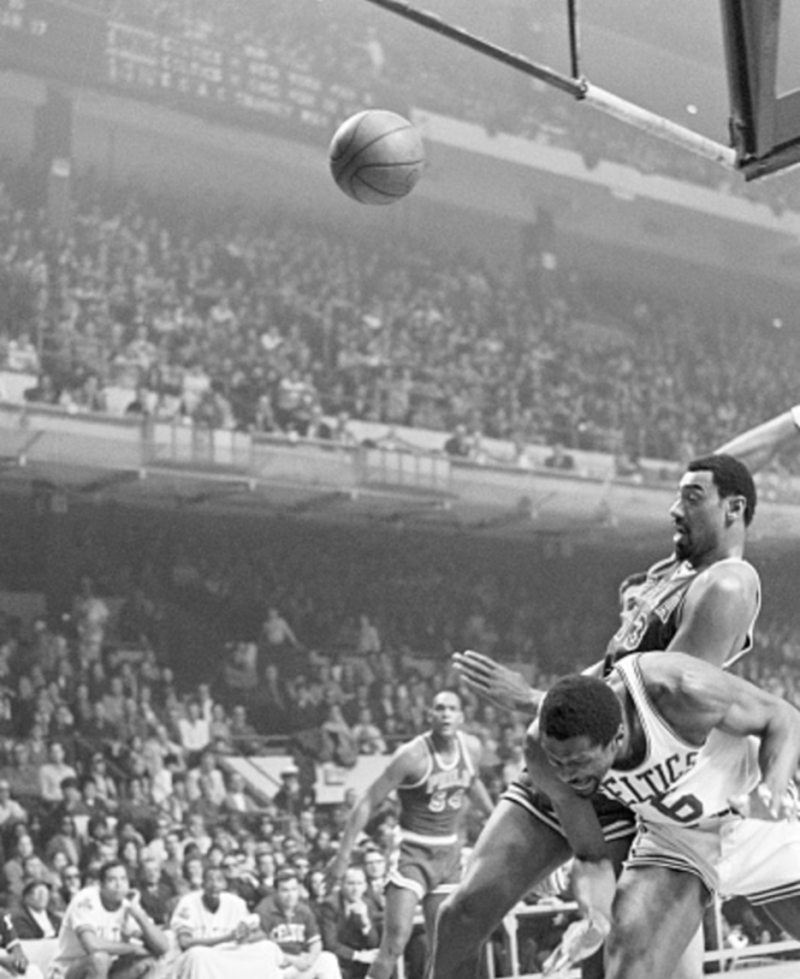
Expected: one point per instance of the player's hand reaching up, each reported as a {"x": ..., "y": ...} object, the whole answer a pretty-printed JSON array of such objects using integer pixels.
[{"x": 504, "y": 687}]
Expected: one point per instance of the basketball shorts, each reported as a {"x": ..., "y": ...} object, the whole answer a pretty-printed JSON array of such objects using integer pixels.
[
  {"x": 617, "y": 821},
  {"x": 734, "y": 857},
  {"x": 425, "y": 865}
]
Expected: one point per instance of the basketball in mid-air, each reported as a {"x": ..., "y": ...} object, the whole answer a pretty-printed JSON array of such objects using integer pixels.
[{"x": 377, "y": 156}]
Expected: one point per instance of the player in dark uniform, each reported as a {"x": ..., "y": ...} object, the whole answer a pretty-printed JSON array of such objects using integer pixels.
[
  {"x": 702, "y": 601},
  {"x": 433, "y": 774}
]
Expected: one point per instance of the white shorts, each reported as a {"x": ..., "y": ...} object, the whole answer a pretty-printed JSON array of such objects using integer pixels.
[{"x": 736, "y": 857}]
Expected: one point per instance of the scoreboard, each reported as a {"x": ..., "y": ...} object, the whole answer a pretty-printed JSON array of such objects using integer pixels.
[{"x": 236, "y": 81}]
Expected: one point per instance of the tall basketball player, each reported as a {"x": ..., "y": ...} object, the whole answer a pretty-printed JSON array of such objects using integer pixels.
[{"x": 433, "y": 775}]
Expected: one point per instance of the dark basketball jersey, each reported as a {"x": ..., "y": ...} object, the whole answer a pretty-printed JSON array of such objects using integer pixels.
[
  {"x": 654, "y": 619},
  {"x": 430, "y": 807}
]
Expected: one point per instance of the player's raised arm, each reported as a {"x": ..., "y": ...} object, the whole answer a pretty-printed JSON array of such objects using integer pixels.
[
  {"x": 593, "y": 872},
  {"x": 698, "y": 697},
  {"x": 407, "y": 764},
  {"x": 758, "y": 445}
]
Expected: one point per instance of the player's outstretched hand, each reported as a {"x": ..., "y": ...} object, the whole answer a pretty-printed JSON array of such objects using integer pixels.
[
  {"x": 765, "y": 803},
  {"x": 504, "y": 687},
  {"x": 580, "y": 940}
]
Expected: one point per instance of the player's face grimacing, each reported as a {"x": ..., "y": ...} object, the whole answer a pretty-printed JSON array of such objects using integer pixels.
[
  {"x": 697, "y": 515},
  {"x": 446, "y": 715},
  {"x": 579, "y": 762}
]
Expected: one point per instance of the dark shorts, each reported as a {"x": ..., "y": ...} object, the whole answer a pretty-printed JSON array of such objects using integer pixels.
[
  {"x": 617, "y": 821},
  {"x": 426, "y": 868}
]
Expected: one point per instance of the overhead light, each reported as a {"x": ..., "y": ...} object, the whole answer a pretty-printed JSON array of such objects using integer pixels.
[{"x": 692, "y": 109}]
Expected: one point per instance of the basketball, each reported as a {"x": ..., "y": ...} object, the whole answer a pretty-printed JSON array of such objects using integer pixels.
[{"x": 376, "y": 157}]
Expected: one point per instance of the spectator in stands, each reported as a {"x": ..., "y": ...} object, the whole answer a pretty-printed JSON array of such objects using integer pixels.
[
  {"x": 105, "y": 785},
  {"x": 236, "y": 798},
  {"x": 53, "y": 772},
  {"x": 293, "y": 927},
  {"x": 375, "y": 868},
  {"x": 157, "y": 890},
  {"x": 21, "y": 774},
  {"x": 279, "y": 643},
  {"x": 65, "y": 840},
  {"x": 105, "y": 931},
  {"x": 194, "y": 732},
  {"x": 68, "y": 887},
  {"x": 243, "y": 735},
  {"x": 351, "y": 925},
  {"x": 369, "y": 640},
  {"x": 206, "y": 780},
  {"x": 35, "y": 919},
  {"x": 559, "y": 458},
  {"x": 338, "y": 741},
  {"x": 368, "y": 737},
  {"x": 291, "y": 798},
  {"x": 458, "y": 445},
  {"x": 217, "y": 937},
  {"x": 14, "y": 867},
  {"x": 91, "y": 616},
  {"x": 22, "y": 356},
  {"x": 11, "y": 812},
  {"x": 13, "y": 959}
]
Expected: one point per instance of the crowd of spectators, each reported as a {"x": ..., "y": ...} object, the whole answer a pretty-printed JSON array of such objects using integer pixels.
[{"x": 229, "y": 320}]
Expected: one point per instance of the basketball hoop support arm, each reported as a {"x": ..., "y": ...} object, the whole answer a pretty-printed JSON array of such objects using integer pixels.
[{"x": 579, "y": 88}]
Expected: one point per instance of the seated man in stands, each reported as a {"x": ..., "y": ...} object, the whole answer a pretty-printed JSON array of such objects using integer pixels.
[
  {"x": 218, "y": 937},
  {"x": 106, "y": 932},
  {"x": 351, "y": 925},
  {"x": 11, "y": 812},
  {"x": 35, "y": 920},
  {"x": 292, "y": 925},
  {"x": 13, "y": 961}
]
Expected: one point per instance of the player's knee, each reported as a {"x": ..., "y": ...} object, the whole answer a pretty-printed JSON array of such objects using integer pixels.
[
  {"x": 627, "y": 948},
  {"x": 462, "y": 910}
]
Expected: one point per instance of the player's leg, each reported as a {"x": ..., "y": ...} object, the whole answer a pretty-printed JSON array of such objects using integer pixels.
[
  {"x": 401, "y": 905},
  {"x": 514, "y": 851},
  {"x": 656, "y": 915}
]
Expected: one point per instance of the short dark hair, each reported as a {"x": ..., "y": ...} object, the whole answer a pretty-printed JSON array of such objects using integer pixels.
[
  {"x": 455, "y": 693},
  {"x": 106, "y": 868},
  {"x": 731, "y": 477},
  {"x": 632, "y": 581},
  {"x": 580, "y": 706},
  {"x": 285, "y": 874}
]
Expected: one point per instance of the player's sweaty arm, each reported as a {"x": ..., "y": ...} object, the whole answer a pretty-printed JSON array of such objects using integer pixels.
[
  {"x": 695, "y": 697},
  {"x": 593, "y": 878},
  {"x": 758, "y": 445},
  {"x": 406, "y": 763}
]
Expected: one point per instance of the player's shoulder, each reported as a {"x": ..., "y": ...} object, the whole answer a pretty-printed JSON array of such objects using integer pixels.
[
  {"x": 730, "y": 576},
  {"x": 471, "y": 744},
  {"x": 411, "y": 758}
]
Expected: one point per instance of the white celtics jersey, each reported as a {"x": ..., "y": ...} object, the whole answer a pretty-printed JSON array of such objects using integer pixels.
[
  {"x": 86, "y": 911},
  {"x": 680, "y": 783}
]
